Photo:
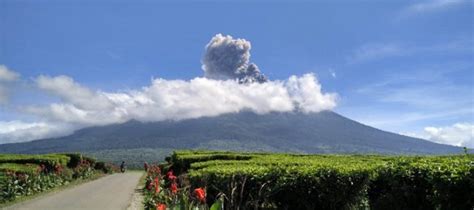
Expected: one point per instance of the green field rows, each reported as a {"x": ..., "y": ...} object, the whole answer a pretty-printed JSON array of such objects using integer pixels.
[{"x": 262, "y": 180}]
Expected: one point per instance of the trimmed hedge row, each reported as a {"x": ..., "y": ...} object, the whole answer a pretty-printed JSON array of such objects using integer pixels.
[
  {"x": 284, "y": 181},
  {"x": 424, "y": 184},
  {"x": 183, "y": 159},
  {"x": 23, "y": 168},
  {"x": 49, "y": 160}
]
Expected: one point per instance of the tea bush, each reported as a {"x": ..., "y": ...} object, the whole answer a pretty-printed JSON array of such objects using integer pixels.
[
  {"x": 424, "y": 183},
  {"x": 49, "y": 160},
  {"x": 287, "y": 181}
]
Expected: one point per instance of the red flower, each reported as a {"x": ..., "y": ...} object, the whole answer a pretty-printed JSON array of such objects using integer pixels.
[
  {"x": 174, "y": 188},
  {"x": 145, "y": 165},
  {"x": 171, "y": 176},
  {"x": 157, "y": 185},
  {"x": 200, "y": 194},
  {"x": 160, "y": 206}
]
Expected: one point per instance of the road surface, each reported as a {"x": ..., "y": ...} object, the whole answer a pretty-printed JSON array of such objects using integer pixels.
[{"x": 111, "y": 192}]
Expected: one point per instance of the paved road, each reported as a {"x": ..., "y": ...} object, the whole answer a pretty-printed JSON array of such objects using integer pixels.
[{"x": 111, "y": 192}]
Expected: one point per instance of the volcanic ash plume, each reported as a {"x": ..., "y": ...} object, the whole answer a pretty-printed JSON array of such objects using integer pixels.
[{"x": 228, "y": 58}]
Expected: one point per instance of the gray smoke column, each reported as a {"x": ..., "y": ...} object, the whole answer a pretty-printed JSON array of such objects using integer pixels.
[{"x": 228, "y": 58}]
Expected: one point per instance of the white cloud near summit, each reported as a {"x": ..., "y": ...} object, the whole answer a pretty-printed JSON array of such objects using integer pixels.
[{"x": 179, "y": 99}]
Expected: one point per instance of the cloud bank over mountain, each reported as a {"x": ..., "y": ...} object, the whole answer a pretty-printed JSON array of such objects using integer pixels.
[
  {"x": 230, "y": 84},
  {"x": 17, "y": 131},
  {"x": 179, "y": 99}
]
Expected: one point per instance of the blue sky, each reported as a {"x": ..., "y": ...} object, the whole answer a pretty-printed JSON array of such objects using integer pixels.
[{"x": 401, "y": 66}]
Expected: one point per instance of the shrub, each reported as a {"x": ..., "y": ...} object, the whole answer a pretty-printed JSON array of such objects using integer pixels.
[
  {"x": 286, "y": 181},
  {"x": 22, "y": 175},
  {"x": 76, "y": 159},
  {"x": 106, "y": 167},
  {"x": 430, "y": 183}
]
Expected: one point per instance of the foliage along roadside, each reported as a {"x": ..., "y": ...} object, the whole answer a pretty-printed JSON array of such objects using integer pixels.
[
  {"x": 287, "y": 181},
  {"x": 167, "y": 191},
  {"x": 26, "y": 175}
]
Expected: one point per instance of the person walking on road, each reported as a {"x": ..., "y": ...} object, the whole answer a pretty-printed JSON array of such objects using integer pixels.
[{"x": 122, "y": 167}]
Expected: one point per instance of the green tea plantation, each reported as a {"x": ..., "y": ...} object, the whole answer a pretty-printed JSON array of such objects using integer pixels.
[{"x": 234, "y": 180}]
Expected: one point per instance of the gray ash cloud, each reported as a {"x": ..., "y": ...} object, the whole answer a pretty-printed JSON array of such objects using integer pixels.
[{"x": 229, "y": 58}]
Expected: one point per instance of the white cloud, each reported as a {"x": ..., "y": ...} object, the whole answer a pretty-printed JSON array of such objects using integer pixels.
[
  {"x": 432, "y": 5},
  {"x": 72, "y": 92},
  {"x": 306, "y": 93},
  {"x": 179, "y": 99},
  {"x": 7, "y": 74},
  {"x": 459, "y": 134},
  {"x": 375, "y": 51},
  {"x": 18, "y": 131}
]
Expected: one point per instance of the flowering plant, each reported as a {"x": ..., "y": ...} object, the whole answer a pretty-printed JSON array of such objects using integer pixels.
[{"x": 169, "y": 191}]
